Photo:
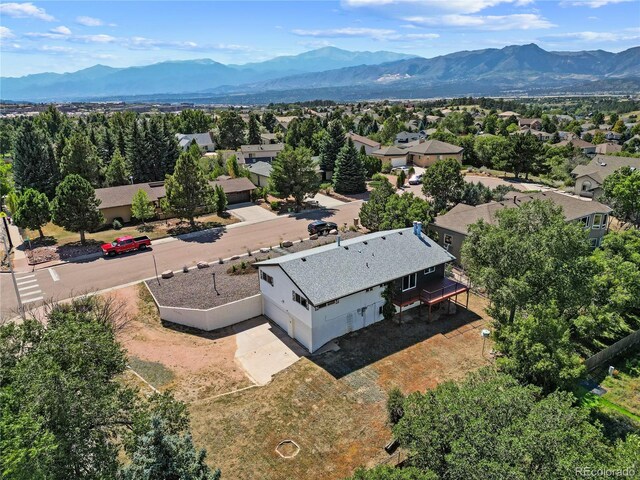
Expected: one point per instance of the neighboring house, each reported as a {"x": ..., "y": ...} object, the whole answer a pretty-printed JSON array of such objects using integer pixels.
[
  {"x": 359, "y": 141},
  {"x": 452, "y": 227},
  {"x": 203, "y": 140},
  {"x": 259, "y": 153},
  {"x": 260, "y": 173},
  {"x": 586, "y": 148},
  {"x": 533, "y": 123},
  {"x": 508, "y": 114},
  {"x": 323, "y": 293},
  {"x": 539, "y": 134},
  {"x": 590, "y": 177},
  {"x": 284, "y": 122},
  {"x": 397, "y": 157},
  {"x": 607, "y": 148},
  {"x": 406, "y": 137},
  {"x": 428, "y": 152},
  {"x": 116, "y": 201},
  {"x": 268, "y": 138},
  {"x": 613, "y": 136}
]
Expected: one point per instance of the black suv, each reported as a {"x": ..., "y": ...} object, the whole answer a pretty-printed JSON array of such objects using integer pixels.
[{"x": 321, "y": 227}]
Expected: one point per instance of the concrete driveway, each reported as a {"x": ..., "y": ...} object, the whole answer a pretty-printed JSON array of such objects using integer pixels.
[
  {"x": 263, "y": 349},
  {"x": 250, "y": 213},
  {"x": 327, "y": 201}
]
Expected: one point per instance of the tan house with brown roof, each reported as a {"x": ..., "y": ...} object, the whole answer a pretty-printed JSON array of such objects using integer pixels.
[
  {"x": 452, "y": 227},
  {"x": 393, "y": 155},
  {"x": 115, "y": 202},
  {"x": 590, "y": 177},
  {"x": 607, "y": 148},
  {"x": 428, "y": 152},
  {"x": 359, "y": 141}
]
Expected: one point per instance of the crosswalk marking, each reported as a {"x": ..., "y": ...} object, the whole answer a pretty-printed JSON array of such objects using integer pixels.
[
  {"x": 28, "y": 294},
  {"x": 27, "y": 281},
  {"x": 25, "y": 276},
  {"x": 29, "y": 300},
  {"x": 29, "y": 287},
  {"x": 54, "y": 275}
]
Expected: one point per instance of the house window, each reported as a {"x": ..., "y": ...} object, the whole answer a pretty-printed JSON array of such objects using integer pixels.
[
  {"x": 266, "y": 278},
  {"x": 322, "y": 305},
  {"x": 585, "y": 221},
  {"x": 586, "y": 186},
  {"x": 599, "y": 221},
  {"x": 409, "y": 282},
  {"x": 300, "y": 299},
  {"x": 429, "y": 270}
]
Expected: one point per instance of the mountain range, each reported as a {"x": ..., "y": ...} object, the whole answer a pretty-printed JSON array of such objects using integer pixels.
[{"x": 332, "y": 73}]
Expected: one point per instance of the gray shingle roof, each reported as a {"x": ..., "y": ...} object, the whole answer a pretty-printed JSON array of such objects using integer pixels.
[
  {"x": 604, "y": 165},
  {"x": 269, "y": 147},
  {"x": 461, "y": 216},
  {"x": 202, "y": 139},
  {"x": 435, "y": 147},
  {"x": 261, "y": 168},
  {"x": 331, "y": 271}
]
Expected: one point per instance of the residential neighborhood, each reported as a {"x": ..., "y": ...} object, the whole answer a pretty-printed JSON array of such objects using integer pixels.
[{"x": 236, "y": 277}]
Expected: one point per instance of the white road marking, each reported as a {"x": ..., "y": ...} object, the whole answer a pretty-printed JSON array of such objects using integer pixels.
[
  {"x": 29, "y": 287},
  {"x": 27, "y": 294},
  {"x": 54, "y": 275},
  {"x": 29, "y": 300},
  {"x": 27, "y": 281},
  {"x": 26, "y": 276}
]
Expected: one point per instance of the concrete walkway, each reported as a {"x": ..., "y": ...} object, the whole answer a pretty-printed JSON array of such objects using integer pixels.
[
  {"x": 264, "y": 349},
  {"x": 327, "y": 201}
]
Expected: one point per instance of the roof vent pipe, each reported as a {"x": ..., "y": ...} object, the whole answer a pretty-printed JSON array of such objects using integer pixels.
[
  {"x": 418, "y": 228},
  {"x": 338, "y": 240},
  {"x": 415, "y": 228}
]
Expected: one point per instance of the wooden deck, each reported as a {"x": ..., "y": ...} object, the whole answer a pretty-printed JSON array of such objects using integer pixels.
[{"x": 433, "y": 293}]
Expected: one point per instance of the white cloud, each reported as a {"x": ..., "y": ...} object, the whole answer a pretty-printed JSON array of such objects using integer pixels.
[
  {"x": 101, "y": 38},
  {"x": 591, "y": 3},
  {"x": 25, "y": 10},
  {"x": 89, "y": 21},
  {"x": 627, "y": 34},
  {"x": 421, "y": 36},
  {"x": 62, "y": 30},
  {"x": 5, "y": 33},
  {"x": 377, "y": 33},
  {"x": 459, "y": 6},
  {"x": 523, "y": 21}
]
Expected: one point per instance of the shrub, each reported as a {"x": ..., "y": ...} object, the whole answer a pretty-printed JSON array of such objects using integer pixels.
[
  {"x": 386, "y": 168},
  {"x": 395, "y": 408},
  {"x": 411, "y": 171},
  {"x": 275, "y": 205},
  {"x": 116, "y": 224},
  {"x": 326, "y": 187}
]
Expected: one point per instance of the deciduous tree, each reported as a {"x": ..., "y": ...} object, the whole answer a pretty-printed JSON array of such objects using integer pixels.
[
  {"x": 443, "y": 182},
  {"x": 294, "y": 175},
  {"x": 33, "y": 211},
  {"x": 621, "y": 191},
  {"x": 141, "y": 207}
]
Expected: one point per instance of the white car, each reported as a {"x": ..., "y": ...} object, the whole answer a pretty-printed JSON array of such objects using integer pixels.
[{"x": 415, "y": 179}]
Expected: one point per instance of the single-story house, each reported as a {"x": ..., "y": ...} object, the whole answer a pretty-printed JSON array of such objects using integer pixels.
[
  {"x": 429, "y": 152},
  {"x": 607, "y": 148},
  {"x": 452, "y": 227},
  {"x": 587, "y": 148},
  {"x": 359, "y": 141},
  {"x": 406, "y": 137},
  {"x": 533, "y": 123},
  {"x": 590, "y": 177},
  {"x": 613, "y": 136},
  {"x": 539, "y": 134},
  {"x": 116, "y": 201},
  {"x": 323, "y": 293},
  {"x": 268, "y": 138},
  {"x": 397, "y": 157},
  {"x": 260, "y": 173},
  {"x": 259, "y": 153},
  {"x": 203, "y": 140},
  {"x": 508, "y": 114},
  {"x": 284, "y": 122}
]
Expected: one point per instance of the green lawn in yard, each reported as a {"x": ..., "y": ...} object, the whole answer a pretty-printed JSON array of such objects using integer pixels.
[
  {"x": 153, "y": 372},
  {"x": 63, "y": 236}
]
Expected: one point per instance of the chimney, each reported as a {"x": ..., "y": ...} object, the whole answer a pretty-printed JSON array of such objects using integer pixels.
[{"x": 338, "y": 240}]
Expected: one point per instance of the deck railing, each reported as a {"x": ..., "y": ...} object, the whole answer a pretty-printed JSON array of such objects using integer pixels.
[{"x": 444, "y": 291}]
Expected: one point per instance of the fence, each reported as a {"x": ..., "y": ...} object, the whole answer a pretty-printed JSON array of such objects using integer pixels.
[{"x": 608, "y": 353}]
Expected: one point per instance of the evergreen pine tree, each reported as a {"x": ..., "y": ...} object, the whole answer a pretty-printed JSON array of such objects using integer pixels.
[
  {"x": 171, "y": 148},
  {"x": 117, "y": 173},
  {"x": 79, "y": 157},
  {"x": 107, "y": 146},
  {"x": 34, "y": 163},
  {"x": 135, "y": 152},
  {"x": 75, "y": 206},
  {"x": 331, "y": 146},
  {"x": 349, "y": 175},
  {"x": 155, "y": 151},
  {"x": 253, "y": 136}
]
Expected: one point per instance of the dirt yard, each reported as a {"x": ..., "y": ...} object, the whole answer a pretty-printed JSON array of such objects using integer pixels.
[{"x": 332, "y": 405}]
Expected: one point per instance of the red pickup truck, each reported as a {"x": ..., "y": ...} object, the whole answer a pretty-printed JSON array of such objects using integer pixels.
[{"x": 125, "y": 244}]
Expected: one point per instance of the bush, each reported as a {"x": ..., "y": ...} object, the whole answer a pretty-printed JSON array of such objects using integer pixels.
[
  {"x": 325, "y": 187},
  {"x": 386, "y": 168},
  {"x": 395, "y": 405},
  {"x": 116, "y": 225},
  {"x": 275, "y": 205},
  {"x": 411, "y": 171}
]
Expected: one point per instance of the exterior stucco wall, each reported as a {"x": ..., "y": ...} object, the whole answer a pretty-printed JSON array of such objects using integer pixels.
[{"x": 421, "y": 160}]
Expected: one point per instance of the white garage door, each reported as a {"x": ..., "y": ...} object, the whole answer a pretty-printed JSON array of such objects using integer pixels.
[
  {"x": 275, "y": 313},
  {"x": 290, "y": 324}
]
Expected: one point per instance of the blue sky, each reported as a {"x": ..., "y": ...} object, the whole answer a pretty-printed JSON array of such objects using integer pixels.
[{"x": 51, "y": 36}]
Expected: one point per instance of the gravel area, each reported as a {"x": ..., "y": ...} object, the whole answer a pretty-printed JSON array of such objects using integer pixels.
[
  {"x": 195, "y": 288},
  {"x": 64, "y": 252}
]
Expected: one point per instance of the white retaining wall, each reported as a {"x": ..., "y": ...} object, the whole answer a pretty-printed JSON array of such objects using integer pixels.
[{"x": 216, "y": 317}]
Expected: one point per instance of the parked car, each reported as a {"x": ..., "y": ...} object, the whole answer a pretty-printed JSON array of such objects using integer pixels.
[
  {"x": 416, "y": 179},
  {"x": 125, "y": 244},
  {"x": 321, "y": 227},
  {"x": 397, "y": 170}
]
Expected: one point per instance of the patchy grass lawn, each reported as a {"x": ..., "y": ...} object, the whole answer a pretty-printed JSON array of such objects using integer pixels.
[
  {"x": 154, "y": 230},
  {"x": 153, "y": 372},
  {"x": 623, "y": 390}
]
